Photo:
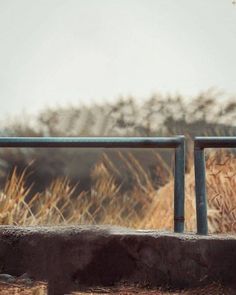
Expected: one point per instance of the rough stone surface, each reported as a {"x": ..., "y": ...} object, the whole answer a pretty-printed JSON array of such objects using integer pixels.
[{"x": 75, "y": 257}]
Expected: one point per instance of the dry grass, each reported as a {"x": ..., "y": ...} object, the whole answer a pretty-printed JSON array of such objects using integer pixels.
[
  {"x": 141, "y": 207},
  {"x": 41, "y": 289},
  {"x": 22, "y": 289},
  {"x": 105, "y": 203},
  {"x": 221, "y": 188},
  {"x": 221, "y": 191},
  {"x": 211, "y": 289}
]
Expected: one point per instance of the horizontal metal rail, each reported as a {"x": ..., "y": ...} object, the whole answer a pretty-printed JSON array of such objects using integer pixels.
[
  {"x": 200, "y": 143},
  {"x": 92, "y": 142},
  {"x": 177, "y": 142},
  {"x": 215, "y": 142}
]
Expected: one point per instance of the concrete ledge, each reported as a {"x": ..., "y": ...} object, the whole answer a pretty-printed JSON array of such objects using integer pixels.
[{"x": 74, "y": 257}]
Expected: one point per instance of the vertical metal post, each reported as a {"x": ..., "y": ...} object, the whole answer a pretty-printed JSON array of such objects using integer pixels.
[
  {"x": 200, "y": 190},
  {"x": 179, "y": 187}
]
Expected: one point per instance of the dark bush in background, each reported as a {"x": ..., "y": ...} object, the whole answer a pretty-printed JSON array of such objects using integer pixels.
[{"x": 207, "y": 114}]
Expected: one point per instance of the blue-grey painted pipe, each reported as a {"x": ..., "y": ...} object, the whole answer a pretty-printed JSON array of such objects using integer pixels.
[
  {"x": 179, "y": 187},
  {"x": 215, "y": 142},
  {"x": 98, "y": 142},
  {"x": 200, "y": 189}
]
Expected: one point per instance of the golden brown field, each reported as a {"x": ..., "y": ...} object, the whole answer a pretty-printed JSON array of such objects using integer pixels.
[{"x": 141, "y": 207}]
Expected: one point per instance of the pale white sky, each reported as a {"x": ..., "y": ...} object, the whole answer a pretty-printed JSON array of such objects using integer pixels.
[{"x": 69, "y": 51}]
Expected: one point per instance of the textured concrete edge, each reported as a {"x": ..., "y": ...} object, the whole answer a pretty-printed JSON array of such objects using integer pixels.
[
  {"x": 107, "y": 230},
  {"x": 75, "y": 257}
]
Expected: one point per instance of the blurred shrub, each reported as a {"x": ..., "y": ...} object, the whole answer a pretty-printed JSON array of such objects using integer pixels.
[{"x": 206, "y": 114}]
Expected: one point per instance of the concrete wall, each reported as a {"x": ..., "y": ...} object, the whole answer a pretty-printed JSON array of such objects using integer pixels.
[{"x": 72, "y": 258}]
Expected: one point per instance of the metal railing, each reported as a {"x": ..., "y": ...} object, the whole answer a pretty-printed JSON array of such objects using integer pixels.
[
  {"x": 200, "y": 143},
  {"x": 177, "y": 142}
]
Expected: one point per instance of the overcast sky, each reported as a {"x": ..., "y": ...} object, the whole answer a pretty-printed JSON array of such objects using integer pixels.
[{"x": 54, "y": 52}]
